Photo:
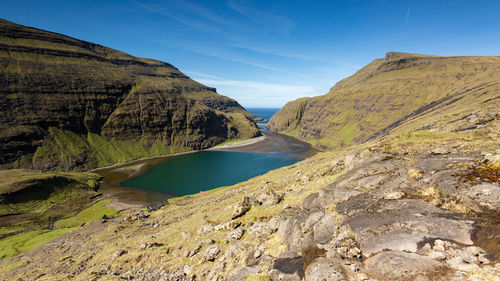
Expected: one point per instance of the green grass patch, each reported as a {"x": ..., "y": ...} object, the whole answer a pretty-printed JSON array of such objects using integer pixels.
[
  {"x": 33, "y": 200},
  {"x": 97, "y": 151},
  {"x": 94, "y": 212},
  {"x": 14, "y": 265},
  {"x": 47, "y": 203},
  {"x": 23, "y": 242}
]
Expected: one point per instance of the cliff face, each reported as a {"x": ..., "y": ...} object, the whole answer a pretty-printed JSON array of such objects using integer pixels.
[
  {"x": 67, "y": 103},
  {"x": 400, "y": 92},
  {"x": 288, "y": 118}
]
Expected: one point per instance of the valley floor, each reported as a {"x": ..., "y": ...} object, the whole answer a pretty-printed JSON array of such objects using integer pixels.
[{"x": 422, "y": 205}]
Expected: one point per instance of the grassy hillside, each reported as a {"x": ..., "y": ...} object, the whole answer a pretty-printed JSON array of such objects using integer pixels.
[
  {"x": 69, "y": 104},
  {"x": 34, "y": 205},
  {"x": 398, "y": 188},
  {"x": 397, "y": 93}
]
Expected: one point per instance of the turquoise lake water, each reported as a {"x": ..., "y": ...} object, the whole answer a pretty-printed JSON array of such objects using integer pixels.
[{"x": 195, "y": 172}]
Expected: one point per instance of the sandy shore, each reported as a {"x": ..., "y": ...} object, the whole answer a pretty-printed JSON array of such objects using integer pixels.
[
  {"x": 271, "y": 142},
  {"x": 222, "y": 147},
  {"x": 239, "y": 143}
]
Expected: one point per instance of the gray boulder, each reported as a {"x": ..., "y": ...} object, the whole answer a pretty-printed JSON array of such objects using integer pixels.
[
  {"x": 486, "y": 195},
  {"x": 237, "y": 233},
  {"x": 211, "y": 253},
  {"x": 324, "y": 229},
  {"x": 401, "y": 266},
  {"x": 288, "y": 267},
  {"x": 322, "y": 269},
  {"x": 400, "y": 225},
  {"x": 242, "y": 207}
]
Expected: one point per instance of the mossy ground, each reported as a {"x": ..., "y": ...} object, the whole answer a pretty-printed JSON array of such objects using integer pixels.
[
  {"x": 40, "y": 206},
  {"x": 23, "y": 242},
  {"x": 66, "y": 146},
  {"x": 94, "y": 212}
]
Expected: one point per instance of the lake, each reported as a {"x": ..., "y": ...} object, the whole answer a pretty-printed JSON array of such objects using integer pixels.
[
  {"x": 195, "y": 172},
  {"x": 158, "y": 179}
]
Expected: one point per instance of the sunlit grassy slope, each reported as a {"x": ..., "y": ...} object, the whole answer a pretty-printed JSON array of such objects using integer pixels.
[
  {"x": 401, "y": 91},
  {"x": 67, "y": 104},
  {"x": 36, "y": 207}
]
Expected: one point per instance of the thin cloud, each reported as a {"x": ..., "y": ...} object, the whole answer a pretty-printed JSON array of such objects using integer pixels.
[
  {"x": 283, "y": 53},
  {"x": 243, "y": 61},
  {"x": 272, "y": 21},
  {"x": 269, "y": 89},
  {"x": 196, "y": 11},
  {"x": 201, "y": 11},
  {"x": 280, "y": 53},
  {"x": 203, "y": 75},
  {"x": 178, "y": 17}
]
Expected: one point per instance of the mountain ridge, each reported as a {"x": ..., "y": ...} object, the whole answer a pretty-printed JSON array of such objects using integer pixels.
[
  {"x": 80, "y": 105},
  {"x": 389, "y": 93}
]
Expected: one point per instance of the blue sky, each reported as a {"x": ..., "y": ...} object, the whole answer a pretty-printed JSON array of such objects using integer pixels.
[{"x": 266, "y": 53}]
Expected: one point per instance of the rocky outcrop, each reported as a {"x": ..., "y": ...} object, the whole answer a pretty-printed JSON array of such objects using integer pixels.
[
  {"x": 410, "y": 212},
  {"x": 401, "y": 92},
  {"x": 71, "y": 104},
  {"x": 406, "y": 266}
]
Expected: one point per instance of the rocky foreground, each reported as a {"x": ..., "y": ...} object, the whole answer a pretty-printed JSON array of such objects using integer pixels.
[{"x": 421, "y": 205}]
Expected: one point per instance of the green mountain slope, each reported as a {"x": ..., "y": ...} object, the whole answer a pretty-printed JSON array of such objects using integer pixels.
[
  {"x": 400, "y": 92},
  {"x": 70, "y": 104}
]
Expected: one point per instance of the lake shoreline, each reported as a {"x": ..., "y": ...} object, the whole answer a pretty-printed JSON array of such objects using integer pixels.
[
  {"x": 239, "y": 143},
  {"x": 126, "y": 197},
  {"x": 245, "y": 142}
]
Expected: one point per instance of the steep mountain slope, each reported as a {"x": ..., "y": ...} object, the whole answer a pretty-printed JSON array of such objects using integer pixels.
[
  {"x": 71, "y": 104},
  {"x": 400, "y": 92}
]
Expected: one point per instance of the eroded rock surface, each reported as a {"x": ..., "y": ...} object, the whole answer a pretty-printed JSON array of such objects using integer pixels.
[{"x": 406, "y": 266}]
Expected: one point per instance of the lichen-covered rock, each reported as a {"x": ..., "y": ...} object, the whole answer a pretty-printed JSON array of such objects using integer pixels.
[
  {"x": 322, "y": 269},
  {"x": 395, "y": 226},
  {"x": 211, "y": 253},
  {"x": 288, "y": 267},
  {"x": 269, "y": 197},
  {"x": 243, "y": 206},
  {"x": 484, "y": 195},
  {"x": 324, "y": 229},
  {"x": 237, "y": 233},
  {"x": 204, "y": 229},
  {"x": 405, "y": 266},
  {"x": 259, "y": 228},
  {"x": 230, "y": 225}
]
